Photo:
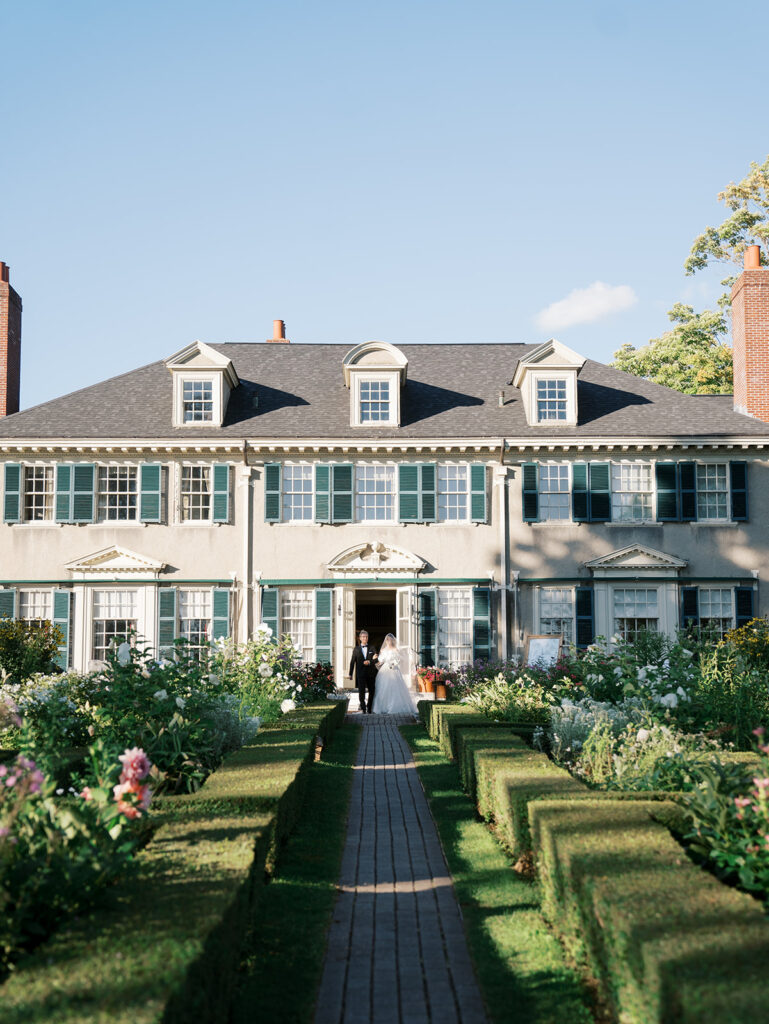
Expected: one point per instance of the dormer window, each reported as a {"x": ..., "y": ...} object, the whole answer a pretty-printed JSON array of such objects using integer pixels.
[
  {"x": 203, "y": 380},
  {"x": 547, "y": 379},
  {"x": 551, "y": 399},
  {"x": 375, "y": 372},
  {"x": 375, "y": 401},
  {"x": 198, "y": 401}
]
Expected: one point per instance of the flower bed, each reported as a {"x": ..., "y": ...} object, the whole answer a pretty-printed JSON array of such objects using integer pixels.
[{"x": 167, "y": 947}]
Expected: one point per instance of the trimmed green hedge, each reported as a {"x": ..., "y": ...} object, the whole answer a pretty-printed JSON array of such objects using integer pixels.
[
  {"x": 167, "y": 943},
  {"x": 667, "y": 941},
  {"x": 442, "y": 721}
]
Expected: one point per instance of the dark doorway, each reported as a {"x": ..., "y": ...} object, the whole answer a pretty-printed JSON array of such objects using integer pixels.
[{"x": 375, "y": 612}]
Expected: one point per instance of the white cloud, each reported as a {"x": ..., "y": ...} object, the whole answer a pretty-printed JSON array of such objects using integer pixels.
[{"x": 585, "y": 305}]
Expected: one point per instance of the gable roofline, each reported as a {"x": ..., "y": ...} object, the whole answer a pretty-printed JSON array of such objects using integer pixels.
[
  {"x": 181, "y": 360},
  {"x": 566, "y": 359}
]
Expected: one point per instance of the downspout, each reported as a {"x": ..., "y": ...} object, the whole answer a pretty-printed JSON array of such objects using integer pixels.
[
  {"x": 503, "y": 550},
  {"x": 247, "y": 540}
]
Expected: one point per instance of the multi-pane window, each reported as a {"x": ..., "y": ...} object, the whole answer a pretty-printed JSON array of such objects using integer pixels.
[
  {"x": 556, "y": 612},
  {"x": 38, "y": 493},
  {"x": 551, "y": 400},
  {"x": 35, "y": 606},
  {"x": 554, "y": 497},
  {"x": 197, "y": 401},
  {"x": 375, "y": 493},
  {"x": 196, "y": 493},
  {"x": 452, "y": 493},
  {"x": 297, "y": 618},
  {"x": 716, "y": 608},
  {"x": 455, "y": 627},
  {"x": 114, "y": 618},
  {"x": 631, "y": 492},
  {"x": 374, "y": 401},
  {"x": 117, "y": 493},
  {"x": 297, "y": 493},
  {"x": 635, "y": 609},
  {"x": 195, "y": 618},
  {"x": 712, "y": 491}
]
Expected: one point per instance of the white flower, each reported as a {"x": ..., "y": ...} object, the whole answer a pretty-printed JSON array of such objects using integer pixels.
[
  {"x": 213, "y": 680},
  {"x": 669, "y": 700},
  {"x": 160, "y": 695},
  {"x": 264, "y": 629},
  {"x": 180, "y": 702},
  {"x": 682, "y": 693},
  {"x": 287, "y": 705},
  {"x": 124, "y": 653},
  {"x": 643, "y": 735},
  {"x": 264, "y": 670}
]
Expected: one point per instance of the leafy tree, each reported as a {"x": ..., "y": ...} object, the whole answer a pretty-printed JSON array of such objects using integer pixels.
[{"x": 692, "y": 357}]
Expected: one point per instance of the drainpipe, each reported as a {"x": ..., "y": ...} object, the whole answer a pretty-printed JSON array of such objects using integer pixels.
[
  {"x": 244, "y": 472},
  {"x": 500, "y": 473}
]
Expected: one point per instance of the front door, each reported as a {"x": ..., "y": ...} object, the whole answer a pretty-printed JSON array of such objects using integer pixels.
[{"x": 375, "y": 612}]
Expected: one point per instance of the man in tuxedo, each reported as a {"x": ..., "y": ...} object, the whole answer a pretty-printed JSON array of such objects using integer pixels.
[{"x": 364, "y": 659}]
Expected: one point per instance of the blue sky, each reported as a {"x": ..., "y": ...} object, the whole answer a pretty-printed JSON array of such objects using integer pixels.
[{"x": 410, "y": 171}]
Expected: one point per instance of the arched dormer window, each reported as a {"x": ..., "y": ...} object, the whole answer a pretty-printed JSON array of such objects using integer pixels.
[{"x": 375, "y": 372}]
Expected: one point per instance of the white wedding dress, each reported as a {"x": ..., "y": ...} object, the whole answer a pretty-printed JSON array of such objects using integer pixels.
[{"x": 392, "y": 695}]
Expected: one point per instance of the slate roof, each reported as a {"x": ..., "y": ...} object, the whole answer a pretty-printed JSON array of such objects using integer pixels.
[{"x": 297, "y": 391}]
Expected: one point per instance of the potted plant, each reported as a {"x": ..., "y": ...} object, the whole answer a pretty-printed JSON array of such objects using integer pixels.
[{"x": 432, "y": 680}]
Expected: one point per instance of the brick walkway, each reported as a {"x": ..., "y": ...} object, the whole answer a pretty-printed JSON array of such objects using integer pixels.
[{"x": 396, "y": 948}]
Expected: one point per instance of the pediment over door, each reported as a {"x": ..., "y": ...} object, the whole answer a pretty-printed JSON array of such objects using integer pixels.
[
  {"x": 377, "y": 557},
  {"x": 115, "y": 562},
  {"x": 638, "y": 559}
]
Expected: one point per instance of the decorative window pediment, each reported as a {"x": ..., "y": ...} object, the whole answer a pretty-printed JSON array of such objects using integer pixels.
[
  {"x": 636, "y": 559},
  {"x": 375, "y": 372},
  {"x": 115, "y": 562},
  {"x": 203, "y": 380},
  {"x": 377, "y": 557},
  {"x": 547, "y": 379}
]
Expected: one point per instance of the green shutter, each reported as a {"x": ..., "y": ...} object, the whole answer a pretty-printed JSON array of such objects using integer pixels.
[
  {"x": 272, "y": 473},
  {"x": 580, "y": 505},
  {"x": 322, "y": 494},
  {"x": 600, "y": 492},
  {"x": 478, "y": 492},
  {"x": 62, "y": 617},
  {"x": 408, "y": 492},
  {"x": 743, "y": 605},
  {"x": 166, "y": 621},
  {"x": 738, "y": 474},
  {"x": 221, "y": 493},
  {"x": 270, "y": 609},
  {"x": 428, "y": 492},
  {"x": 428, "y": 654},
  {"x": 12, "y": 500},
  {"x": 83, "y": 479},
  {"x": 150, "y": 492},
  {"x": 341, "y": 492},
  {"x": 687, "y": 479},
  {"x": 481, "y": 623},
  {"x": 690, "y": 607},
  {"x": 584, "y": 610},
  {"x": 220, "y": 625},
  {"x": 667, "y": 492},
  {"x": 7, "y": 604},
  {"x": 530, "y": 492},
  {"x": 63, "y": 492},
  {"x": 323, "y": 624}
]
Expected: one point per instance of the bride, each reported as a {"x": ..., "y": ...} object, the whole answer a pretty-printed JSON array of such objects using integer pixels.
[{"x": 391, "y": 694}]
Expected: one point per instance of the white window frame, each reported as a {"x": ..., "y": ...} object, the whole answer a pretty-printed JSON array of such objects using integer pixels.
[
  {"x": 442, "y": 594},
  {"x": 308, "y": 597},
  {"x": 570, "y": 379},
  {"x": 99, "y": 466},
  {"x": 48, "y": 467},
  {"x": 182, "y": 595},
  {"x": 652, "y": 492},
  {"x": 45, "y": 592},
  {"x": 571, "y": 591},
  {"x": 385, "y": 376},
  {"x": 303, "y": 466},
  {"x": 92, "y": 618},
  {"x": 181, "y": 466},
  {"x": 732, "y": 614},
  {"x": 207, "y": 377},
  {"x": 568, "y": 492},
  {"x": 439, "y": 493},
  {"x": 392, "y": 467},
  {"x": 728, "y": 490},
  {"x": 638, "y": 586}
]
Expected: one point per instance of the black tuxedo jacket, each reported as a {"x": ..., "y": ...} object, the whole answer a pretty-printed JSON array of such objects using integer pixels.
[{"x": 363, "y": 673}]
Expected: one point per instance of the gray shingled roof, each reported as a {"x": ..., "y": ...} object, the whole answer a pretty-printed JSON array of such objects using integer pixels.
[{"x": 293, "y": 391}]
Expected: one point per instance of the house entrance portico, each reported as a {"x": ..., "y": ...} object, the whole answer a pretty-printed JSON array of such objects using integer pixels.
[{"x": 379, "y": 610}]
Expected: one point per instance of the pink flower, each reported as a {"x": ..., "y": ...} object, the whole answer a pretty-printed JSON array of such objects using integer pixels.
[
  {"x": 136, "y": 765},
  {"x": 761, "y": 783},
  {"x": 742, "y": 801},
  {"x": 759, "y": 731},
  {"x": 86, "y": 794},
  {"x": 131, "y": 809}
]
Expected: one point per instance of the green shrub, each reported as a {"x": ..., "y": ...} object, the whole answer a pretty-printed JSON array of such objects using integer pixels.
[
  {"x": 522, "y": 699},
  {"x": 27, "y": 648}
]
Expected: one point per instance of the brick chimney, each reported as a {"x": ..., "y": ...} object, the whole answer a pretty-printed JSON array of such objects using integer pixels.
[
  {"x": 10, "y": 344},
  {"x": 278, "y": 333},
  {"x": 750, "y": 337}
]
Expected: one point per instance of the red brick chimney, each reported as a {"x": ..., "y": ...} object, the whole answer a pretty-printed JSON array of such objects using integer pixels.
[
  {"x": 10, "y": 344},
  {"x": 750, "y": 337},
  {"x": 279, "y": 333}
]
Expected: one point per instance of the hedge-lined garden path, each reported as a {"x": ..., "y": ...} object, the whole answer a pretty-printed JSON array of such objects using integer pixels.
[{"x": 396, "y": 949}]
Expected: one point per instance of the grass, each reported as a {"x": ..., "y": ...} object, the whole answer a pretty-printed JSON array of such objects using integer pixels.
[
  {"x": 520, "y": 966},
  {"x": 281, "y": 969}
]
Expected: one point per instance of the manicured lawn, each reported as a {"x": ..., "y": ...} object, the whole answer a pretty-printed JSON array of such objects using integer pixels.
[
  {"x": 282, "y": 965},
  {"x": 519, "y": 964}
]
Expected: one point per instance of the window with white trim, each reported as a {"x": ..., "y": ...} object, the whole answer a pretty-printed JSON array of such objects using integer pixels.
[
  {"x": 114, "y": 615},
  {"x": 716, "y": 608},
  {"x": 631, "y": 492},
  {"x": 297, "y": 618},
  {"x": 551, "y": 399},
  {"x": 455, "y": 626},
  {"x": 197, "y": 401},
  {"x": 556, "y": 612},
  {"x": 117, "y": 493},
  {"x": 196, "y": 494},
  {"x": 374, "y": 493},
  {"x": 195, "y": 619},
  {"x": 635, "y": 609},
  {"x": 554, "y": 495},
  {"x": 452, "y": 493},
  {"x": 297, "y": 494},
  {"x": 712, "y": 491},
  {"x": 374, "y": 401},
  {"x": 38, "y": 493},
  {"x": 35, "y": 606}
]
